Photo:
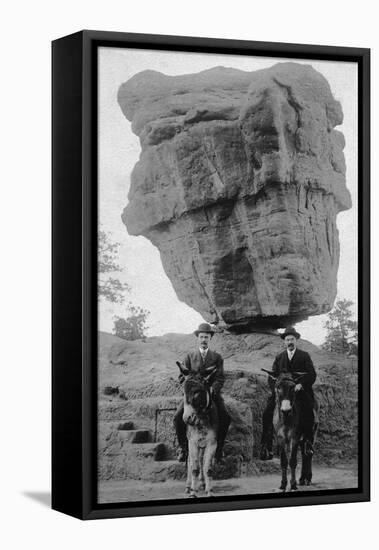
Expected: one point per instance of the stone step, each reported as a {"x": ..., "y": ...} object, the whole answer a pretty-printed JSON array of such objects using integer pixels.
[
  {"x": 116, "y": 444},
  {"x": 135, "y": 436},
  {"x": 128, "y": 425},
  {"x": 117, "y": 425},
  {"x": 119, "y": 460}
]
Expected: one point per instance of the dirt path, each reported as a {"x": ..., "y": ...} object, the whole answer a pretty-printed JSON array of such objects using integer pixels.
[{"x": 134, "y": 490}]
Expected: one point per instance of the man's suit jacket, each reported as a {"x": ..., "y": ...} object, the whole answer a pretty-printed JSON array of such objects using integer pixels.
[
  {"x": 195, "y": 362},
  {"x": 300, "y": 362}
]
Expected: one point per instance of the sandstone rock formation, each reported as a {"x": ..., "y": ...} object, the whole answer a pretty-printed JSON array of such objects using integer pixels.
[{"x": 239, "y": 182}]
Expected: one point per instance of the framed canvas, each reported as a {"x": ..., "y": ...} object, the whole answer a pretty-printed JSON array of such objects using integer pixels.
[{"x": 211, "y": 283}]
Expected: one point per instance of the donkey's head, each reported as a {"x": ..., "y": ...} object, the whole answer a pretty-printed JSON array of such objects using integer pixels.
[
  {"x": 285, "y": 384},
  {"x": 197, "y": 394}
]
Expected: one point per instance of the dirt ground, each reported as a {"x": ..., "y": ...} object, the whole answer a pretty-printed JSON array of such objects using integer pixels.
[{"x": 324, "y": 478}]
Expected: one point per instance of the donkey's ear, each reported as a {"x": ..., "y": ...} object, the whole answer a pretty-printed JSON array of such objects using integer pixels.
[
  {"x": 182, "y": 368},
  {"x": 271, "y": 374}
]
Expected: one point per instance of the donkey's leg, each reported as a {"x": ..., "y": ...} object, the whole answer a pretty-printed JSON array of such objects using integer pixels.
[
  {"x": 306, "y": 468},
  {"x": 209, "y": 454},
  {"x": 308, "y": 479},
  {"x": 193, "y": 453},
  {"x": 308, "y": 476},
  {"x": 303, "y": 463},
  {"x": 293, "y": 464},
  {"x": 189, "y": 466},
  {"x": 283, "y": 465},
  {"x": 201, "y": 465},
  {"x": 189, "y": 476}
]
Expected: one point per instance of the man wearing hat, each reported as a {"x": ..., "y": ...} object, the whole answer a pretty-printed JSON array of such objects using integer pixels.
[
  {"x": 291, "y": 360},
  {"x": 202, "y": 360}
]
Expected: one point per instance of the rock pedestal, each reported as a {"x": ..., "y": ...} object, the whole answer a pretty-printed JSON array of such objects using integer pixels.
[{"x": 136, "y": 443}]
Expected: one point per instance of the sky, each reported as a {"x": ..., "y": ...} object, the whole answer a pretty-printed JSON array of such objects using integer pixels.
[{"x": 119, "y": 150}]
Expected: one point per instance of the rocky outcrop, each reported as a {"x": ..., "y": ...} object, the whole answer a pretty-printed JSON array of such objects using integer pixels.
[
  {"x": 147, "y": 376},
  {"x": 239, "y": 182}
]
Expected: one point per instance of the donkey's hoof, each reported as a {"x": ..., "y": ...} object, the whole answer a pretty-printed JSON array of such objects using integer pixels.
[
  {"x": 301, "y": 481},
  {"x": 202, "y": 487},
  {"x": 187, "y": 490},
  {"x": 294, "y": 487},
  {"x": 309, "y": 482},
  {"x": 193, "y": 494},
  {"x": 209, "y": 493}
]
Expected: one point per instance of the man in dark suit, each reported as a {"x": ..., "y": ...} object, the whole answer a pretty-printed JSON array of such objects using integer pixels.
[
  {"x": 291, "y": 360},
  {"x": 202, "y": 360}
]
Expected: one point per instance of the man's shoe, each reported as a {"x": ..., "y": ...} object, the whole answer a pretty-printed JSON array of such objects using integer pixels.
[
  {"x": 182, "y": 455},
  {"x": 266, "y": 454}
]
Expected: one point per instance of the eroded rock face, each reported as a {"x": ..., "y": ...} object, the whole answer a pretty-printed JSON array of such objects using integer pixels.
[{"x": 239, "y": 183}]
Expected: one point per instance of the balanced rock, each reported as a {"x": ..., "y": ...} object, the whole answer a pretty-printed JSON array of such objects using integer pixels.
[{"x": 239, "y": 182}]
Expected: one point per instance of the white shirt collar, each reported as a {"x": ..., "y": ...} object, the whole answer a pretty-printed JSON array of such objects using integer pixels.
[
  {"x": 203, "y": 353},
  {"x": 290, "y": 353}
]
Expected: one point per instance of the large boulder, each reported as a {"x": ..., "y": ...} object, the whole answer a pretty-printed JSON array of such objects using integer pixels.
[{"x": 239, "y": 182}]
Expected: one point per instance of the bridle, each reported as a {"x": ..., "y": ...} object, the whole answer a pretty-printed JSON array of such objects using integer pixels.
[
  {"x": 287, "y": 376},
  {"x": 203, "y": 381},
  {"x": 203, "y": 385},
  {"x": 278, "y": 383}
]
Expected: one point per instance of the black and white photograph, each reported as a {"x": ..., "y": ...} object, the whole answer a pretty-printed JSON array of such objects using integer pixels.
[
  {"x": 227, "y": 257},
  {"x": 188, "y": 242}
]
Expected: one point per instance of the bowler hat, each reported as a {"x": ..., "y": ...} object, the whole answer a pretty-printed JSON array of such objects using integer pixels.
[
  {"x": 290, "y": 331},
  {"x": 204, "y": 327}
]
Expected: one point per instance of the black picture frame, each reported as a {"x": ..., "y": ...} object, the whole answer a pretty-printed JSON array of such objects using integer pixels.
[{"x": 74, "y": 204}]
